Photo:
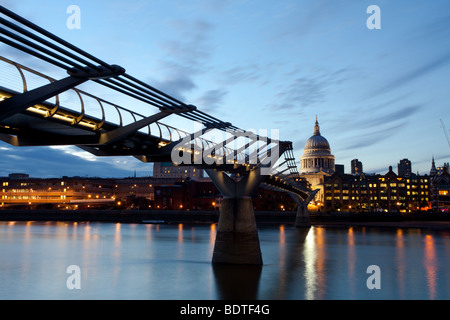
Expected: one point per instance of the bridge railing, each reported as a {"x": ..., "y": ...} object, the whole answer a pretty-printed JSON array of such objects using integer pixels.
[
  {"x": 93, "y": 112},
  {"x": 16, "y": 78}
]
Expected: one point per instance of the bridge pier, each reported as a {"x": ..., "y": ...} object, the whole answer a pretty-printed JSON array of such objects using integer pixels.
[
  {"x": 302, "y": 219},
  {"x": 237, "y": 240}
]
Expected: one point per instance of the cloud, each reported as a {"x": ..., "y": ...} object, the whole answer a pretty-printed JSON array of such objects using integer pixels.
[
  {"x": 191, "y": 48},
  {"x": 238, "y": 74},
  {"x": 211, "y": 99},
  {"x": 371, "y": 138},
  {"x": 186, "y": 56},
  {"x": 305, "y": 91},
  {"x": 379, "y": 124},
  {"x": 66, "y": 161},
  {"x": 176, "y": 85},
  {"x": 416, "y": 73},
  {"x": 388, "y": 117},
  {"x": 214, "y": 6},
  {"x": 15, "y": 157},
  {"x": 436, "y": 29},
  {"x": 303, "y": 21},
  {"x": 75, "y": 152},
  {"x": 309, "y": 89}
]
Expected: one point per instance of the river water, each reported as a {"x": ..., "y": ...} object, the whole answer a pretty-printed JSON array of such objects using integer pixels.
[{"x": 69, "y": 260}]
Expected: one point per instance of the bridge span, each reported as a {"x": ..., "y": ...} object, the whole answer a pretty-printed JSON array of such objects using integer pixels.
[{"x": 38, "y": 110}]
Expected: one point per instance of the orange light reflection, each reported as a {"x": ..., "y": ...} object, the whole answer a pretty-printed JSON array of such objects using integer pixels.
[{"x": 430, "y": 262}]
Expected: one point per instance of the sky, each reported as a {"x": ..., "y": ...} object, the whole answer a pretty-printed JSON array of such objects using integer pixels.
[{"x": 379, "y": 94}]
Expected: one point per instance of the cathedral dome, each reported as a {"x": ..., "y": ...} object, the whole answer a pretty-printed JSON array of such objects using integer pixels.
[
  {"x": 317, "y": 154},
  {"x": 317, "y": 142}
]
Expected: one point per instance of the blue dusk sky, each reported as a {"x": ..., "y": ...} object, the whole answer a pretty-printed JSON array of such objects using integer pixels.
[{"x": 267, "y": 64}]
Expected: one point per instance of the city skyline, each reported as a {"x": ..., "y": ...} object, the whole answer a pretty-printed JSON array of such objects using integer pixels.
[{"x": 379, "y": 94}]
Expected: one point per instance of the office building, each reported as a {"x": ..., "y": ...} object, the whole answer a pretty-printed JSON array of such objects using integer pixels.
[
  {"x": 357, "y": 167},
  {"x": 404, "y": 168},
  {"x": 168, "y": 170}
]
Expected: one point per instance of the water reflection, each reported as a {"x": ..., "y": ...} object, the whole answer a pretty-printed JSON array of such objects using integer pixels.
[
  {"x": 351, "y": 258},
  {"x": 237, "y": 282},
  {"x": 212, "y": 238},
  {"x": 310, "y": 258},
  {"x": 328, "y": 273},
  {"x": 400, "y": 261},
  {"x": 430, "y": 261},
  {"x": 122, "y": 261},
  {"x": 314, "y": 253}
]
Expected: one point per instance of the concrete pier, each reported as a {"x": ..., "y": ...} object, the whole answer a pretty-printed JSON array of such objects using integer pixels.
[
  {"x": 237, "y": 239},
  {"x": 302, "y": 218}
]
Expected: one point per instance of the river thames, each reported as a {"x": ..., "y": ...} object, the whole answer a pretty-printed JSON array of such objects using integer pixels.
[{"x": 172, "y": 262}]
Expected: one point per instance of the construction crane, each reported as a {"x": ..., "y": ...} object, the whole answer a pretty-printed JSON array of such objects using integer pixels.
[{"x": 445, "y": 132}]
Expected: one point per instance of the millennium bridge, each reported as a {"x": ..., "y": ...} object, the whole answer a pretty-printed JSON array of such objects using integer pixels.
[{"x": 38, "y": 110}]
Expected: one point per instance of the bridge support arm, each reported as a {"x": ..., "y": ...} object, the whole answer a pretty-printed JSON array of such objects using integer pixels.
[
  {"x": 21, "y": 102},
  {"x": 237, "y": 239},
  {"x": 127, "y": 130}
]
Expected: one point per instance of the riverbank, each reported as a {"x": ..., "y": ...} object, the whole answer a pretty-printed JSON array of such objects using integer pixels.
[{"x": 385, "y": 220}]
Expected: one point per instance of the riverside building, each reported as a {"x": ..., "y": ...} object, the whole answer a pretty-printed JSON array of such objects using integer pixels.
[
  {"x": 377, "y": 193},
  {"x": 440, "y": 187},
  {"x": 22, "y": 191}
]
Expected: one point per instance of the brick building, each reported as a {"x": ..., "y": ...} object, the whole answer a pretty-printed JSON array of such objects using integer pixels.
[
  {"x": 440, "y": 188},
  {"x": 370, "y": 193}
]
